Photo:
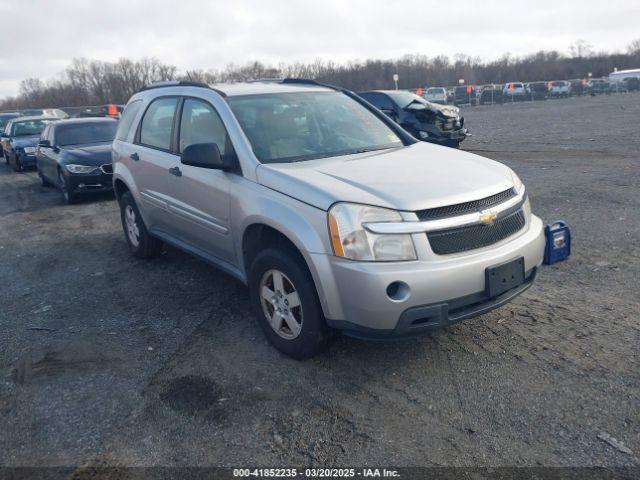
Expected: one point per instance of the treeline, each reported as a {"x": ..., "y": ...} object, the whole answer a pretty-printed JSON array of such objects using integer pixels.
[{"x": 93, "y": 82}]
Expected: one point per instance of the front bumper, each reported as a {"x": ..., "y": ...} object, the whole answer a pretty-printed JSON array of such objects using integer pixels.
[
  {"x": 445, "y": 288},
  {"x": 448, "y": 137},
  {"x": 79, "y": 183},
  {"x": 27, "y": 160}
]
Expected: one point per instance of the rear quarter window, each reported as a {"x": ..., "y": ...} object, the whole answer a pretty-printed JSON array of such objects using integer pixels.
[{"x": 129, "y": 115}]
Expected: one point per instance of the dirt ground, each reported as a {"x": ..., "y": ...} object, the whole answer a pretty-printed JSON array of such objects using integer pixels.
[{"x": 105, "y": 359}]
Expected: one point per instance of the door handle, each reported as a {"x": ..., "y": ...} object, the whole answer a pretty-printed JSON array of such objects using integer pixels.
[
  {"x": 175, "y": 171},
  {"x": 134, "y": 156}
]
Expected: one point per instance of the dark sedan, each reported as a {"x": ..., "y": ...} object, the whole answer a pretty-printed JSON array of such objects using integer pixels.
[
  {"x": 429, "y": 122},
  {"x": 19, "y": 140},
  {"x": 5, "y": 118},
  {"x": 75, "y": 156}
]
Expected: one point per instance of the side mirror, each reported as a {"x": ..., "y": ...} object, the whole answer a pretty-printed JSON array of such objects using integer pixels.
[
  {"x": 44, "y": 144},
  {"x": 4, "y": 135},
  {"x": 205, "y": 155}
]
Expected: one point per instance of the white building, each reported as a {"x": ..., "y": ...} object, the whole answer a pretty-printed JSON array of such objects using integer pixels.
[{"x": 618, "y": 76}]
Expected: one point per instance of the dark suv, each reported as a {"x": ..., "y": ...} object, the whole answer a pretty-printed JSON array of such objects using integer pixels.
[
  {"x": 538, "y": 91},
  {"x": 429, "y": 122},
  {"x": 465, "y": 95}
]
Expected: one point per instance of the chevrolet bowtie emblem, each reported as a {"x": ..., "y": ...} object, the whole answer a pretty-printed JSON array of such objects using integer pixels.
[{"x": 487, "y": 218}]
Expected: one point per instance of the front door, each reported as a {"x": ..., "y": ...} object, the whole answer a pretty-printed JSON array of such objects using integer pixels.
[{"x": 200, "y": 196}]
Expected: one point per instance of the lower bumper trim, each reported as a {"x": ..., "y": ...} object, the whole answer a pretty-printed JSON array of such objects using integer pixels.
[{"x": 425, "y": 318}]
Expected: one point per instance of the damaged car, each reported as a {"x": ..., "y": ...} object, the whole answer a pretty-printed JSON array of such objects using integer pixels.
[{"x": 426, "y": 121}]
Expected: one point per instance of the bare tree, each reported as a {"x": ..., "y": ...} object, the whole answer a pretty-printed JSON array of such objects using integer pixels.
[
  {"x": 87, "y": 82},
  {"x": 581, "y": 48}
]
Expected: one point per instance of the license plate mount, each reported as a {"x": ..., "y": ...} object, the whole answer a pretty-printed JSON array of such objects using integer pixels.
[{"x": 503, "y": 277}]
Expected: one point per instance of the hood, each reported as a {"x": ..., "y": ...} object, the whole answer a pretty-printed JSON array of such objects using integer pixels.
[
  {"x": 408, "y": 178},
  {"x": 89, "y": 154},
  {"x": 446, "y": 110},
  {"x": 22, "y": 142}
]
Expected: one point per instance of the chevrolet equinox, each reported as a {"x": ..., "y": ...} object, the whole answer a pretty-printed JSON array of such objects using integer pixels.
[{"x": 334, "y": 216}]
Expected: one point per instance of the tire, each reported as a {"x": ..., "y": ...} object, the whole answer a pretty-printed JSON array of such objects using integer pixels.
[
  {"x": 43, "y": 181},
  {"x": 69, "y": 196},
  {"x": 17, "y": 164},
  {"x": 310, "y": 334},
  {"x": 141, "y": 243}
]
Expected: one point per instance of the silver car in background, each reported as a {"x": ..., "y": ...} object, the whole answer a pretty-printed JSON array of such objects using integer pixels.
[
  {"x": 436, "y": 95},
  {"x": 333, "y": 215}
]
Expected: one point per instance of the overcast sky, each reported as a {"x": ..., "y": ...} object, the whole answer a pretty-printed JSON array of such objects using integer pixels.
[{"x": 41, "y": 37}]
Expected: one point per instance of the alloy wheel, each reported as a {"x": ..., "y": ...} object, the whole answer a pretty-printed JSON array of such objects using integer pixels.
[
  {"x": 63, "y": 186},
  {"x": 281, "y": 304},
  {"x": 133, "y": 232}
]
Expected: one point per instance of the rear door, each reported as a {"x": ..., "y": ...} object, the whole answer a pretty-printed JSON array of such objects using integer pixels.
[
  {"x": 150, "y": 158},
  {"x": 200, "y": 196},
  {"x": 6, "y": 135}
]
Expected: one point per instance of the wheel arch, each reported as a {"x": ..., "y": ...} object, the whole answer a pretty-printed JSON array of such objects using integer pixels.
[{"x": 260, "y": 233}]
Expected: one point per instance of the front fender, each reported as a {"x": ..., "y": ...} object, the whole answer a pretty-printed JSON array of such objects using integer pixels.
[{"x": 304, "y": 225}]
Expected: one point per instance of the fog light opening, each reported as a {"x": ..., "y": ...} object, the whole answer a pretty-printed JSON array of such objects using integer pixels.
[{"x": 398, "y": 291}]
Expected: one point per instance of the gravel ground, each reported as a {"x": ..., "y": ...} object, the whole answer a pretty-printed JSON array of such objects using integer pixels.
[{"x": 106, "y": 359}]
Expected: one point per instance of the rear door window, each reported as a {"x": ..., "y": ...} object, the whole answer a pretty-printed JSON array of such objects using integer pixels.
[{"x": 157, "y": 124}]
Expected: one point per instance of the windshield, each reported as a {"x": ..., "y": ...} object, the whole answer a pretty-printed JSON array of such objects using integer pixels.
[
  {"x": 404, "y": 99},
  {"x": 436, "y": 91},
  {"x": 290, "y": 127},
  {"x": 28, "y": 127},
  {"x": 81, "y": 133},
  {"x": 4, "y": 118}
]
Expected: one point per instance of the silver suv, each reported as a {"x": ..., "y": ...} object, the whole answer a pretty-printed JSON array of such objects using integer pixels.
[{"x": 333, "y": 215}]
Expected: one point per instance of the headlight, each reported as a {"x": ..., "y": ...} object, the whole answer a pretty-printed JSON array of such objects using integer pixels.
[
  {"x": 81, "y": 168},
  {"x": 29, "y": 149},
  {"x": 516, "y": 181},
  {"x": 350, "y": 240}
]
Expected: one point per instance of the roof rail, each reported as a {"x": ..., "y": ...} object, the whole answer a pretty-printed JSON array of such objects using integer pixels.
[
  {"x": 266, "y": 80},
  {"x": 180, "y": 83},
  {"x": 308, "y": 81}
]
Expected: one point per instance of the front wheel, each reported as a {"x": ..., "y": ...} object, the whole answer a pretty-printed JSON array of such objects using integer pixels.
[
  {"x": 141, "y": 244},
  {"x": 17, "y": 164},
  {"x": 43, "y": 181},
  {"x": 69, "y": 195},
  {"x": 286, "y": 304}
]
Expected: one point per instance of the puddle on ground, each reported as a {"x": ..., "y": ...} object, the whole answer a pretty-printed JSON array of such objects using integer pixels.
[{"x": 190, "y": 394}]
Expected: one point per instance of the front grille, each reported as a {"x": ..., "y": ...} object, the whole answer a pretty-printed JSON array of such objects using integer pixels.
[
  {"x": 107, "y": 168},
  {"x": 467, "y": 207},
  {"x": 462, "y": 239}
]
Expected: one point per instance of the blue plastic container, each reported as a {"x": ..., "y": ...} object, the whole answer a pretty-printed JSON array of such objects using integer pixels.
[{"x": 558, "y": 245}]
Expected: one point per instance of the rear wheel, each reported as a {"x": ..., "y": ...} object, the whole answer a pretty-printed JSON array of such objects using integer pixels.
[
  {"x": 286, "y": 304},
  {"x": 141, "y": 243}
]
